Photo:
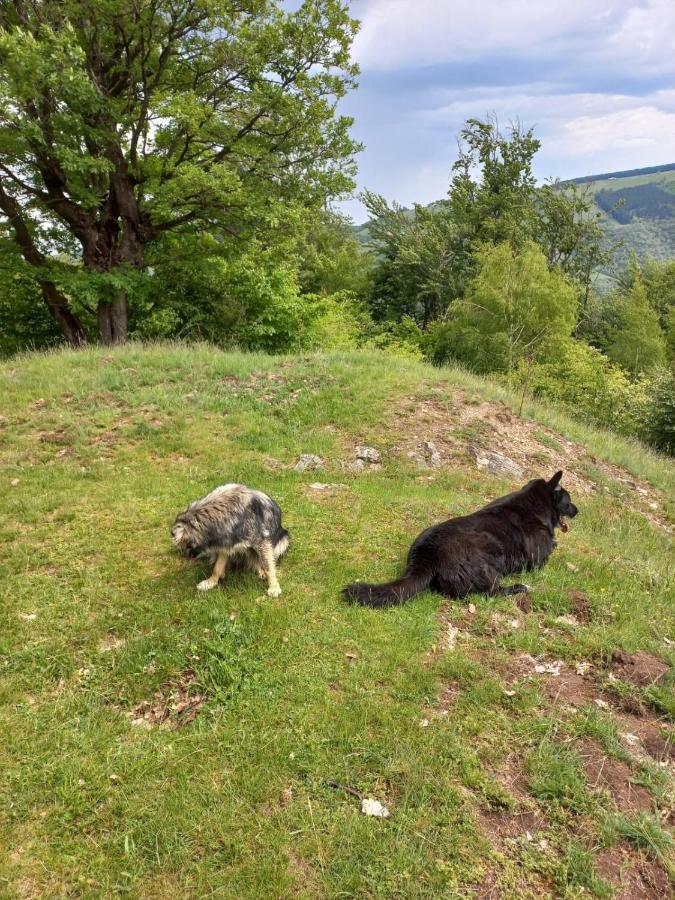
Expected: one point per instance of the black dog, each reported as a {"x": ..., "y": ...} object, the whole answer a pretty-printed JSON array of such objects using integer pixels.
[{"x": 471, "y": 554}]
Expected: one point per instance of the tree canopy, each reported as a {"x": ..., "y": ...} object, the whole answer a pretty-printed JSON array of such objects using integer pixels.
[{"x": 123, "y": 120}]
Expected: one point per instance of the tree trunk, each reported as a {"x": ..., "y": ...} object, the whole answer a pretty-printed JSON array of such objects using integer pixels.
[
  {"x": 63, "y": 315},
  {"x": 113, "y": 321}
]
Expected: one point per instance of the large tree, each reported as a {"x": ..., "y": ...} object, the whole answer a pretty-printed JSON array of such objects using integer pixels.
[{"x": 122, "y": 120}]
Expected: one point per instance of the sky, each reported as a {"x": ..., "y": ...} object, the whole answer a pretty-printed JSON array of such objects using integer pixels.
[{"x": 594, "y": 78}]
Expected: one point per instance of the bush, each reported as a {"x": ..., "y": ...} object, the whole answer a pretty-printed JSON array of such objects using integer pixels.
[
  {"x": 660, "y": 406},
  {"x": 340, "y": 322},
  {"x": 404, "y": 338},
  {"x": 583, "y": 379},
  {"x": 25, "y": 321}
]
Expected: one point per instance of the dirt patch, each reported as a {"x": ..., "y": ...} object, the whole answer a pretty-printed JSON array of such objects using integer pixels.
[
  {"x": 581, "y": 605},
  {"x": 632, "y": 874},
  {"x": 605, "y": 773},
  {"x": 646, "y": 736},
  {"x": 640, "y": 669},
  {"x": 562, "y": 683},
  {"x": 503, "y": 828},
  {"x": 447, "y": 635},
  {"x": 643, "y": 734},
  {"x": 172, "y": 706},
  {"x": 55, "y": 437},
  {"x": 524, "y": 603}
]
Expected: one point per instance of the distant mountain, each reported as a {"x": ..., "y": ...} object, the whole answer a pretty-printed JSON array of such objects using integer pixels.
[{"x": 637, "y": 207}]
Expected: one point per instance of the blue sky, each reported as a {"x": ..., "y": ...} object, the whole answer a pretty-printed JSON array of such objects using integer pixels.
[{"x": 596, "y": 80}]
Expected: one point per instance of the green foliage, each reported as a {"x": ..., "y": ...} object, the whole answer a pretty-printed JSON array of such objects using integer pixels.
[
  {"x": 637, "y": 342},
  {"x": 660, "y": 411},
  {"x": 429, "y": 256},
  {"x": 340, "y": 322},
  {"x": 404, "y": 338},
  {"x": 331, "y": 259},
  {"x": 25, "y": 322},
  {"x": 659, "y": 282},
  {"x": 493, "y": 188},
  {"x": 587, "y": 383},
  {"x": 275, "y": 316},
  {"x": 421, "y": 261},
  {"x": 516, "y": 309}
]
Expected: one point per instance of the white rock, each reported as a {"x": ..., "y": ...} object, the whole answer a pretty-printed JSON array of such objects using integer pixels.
[
  {"x": 496, "y": 463},
  {"x": 308, "y": 461},
  {"x": 371, "y": 807},
  {"x": 368, "y": 454}
]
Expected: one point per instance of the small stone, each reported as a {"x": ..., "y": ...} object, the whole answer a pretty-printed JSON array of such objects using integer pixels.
[
  {"x": 308, "y": 461},
  {"x": 15, "y": 481},
  {"x": 320, "y": 486},
  {"x": 472, "y": 608},
  {"x": 374, "y": 808},
  {"x": 572, "y": 567},
  {"x": 510, "y": 693},
  {"x": 496, "y": 463},
  {"x": 601, "y": 703},
  {"x": 368, "y": 454},
  {"x": 424, "y": 723},
  {"x": 430, "y": 453}
]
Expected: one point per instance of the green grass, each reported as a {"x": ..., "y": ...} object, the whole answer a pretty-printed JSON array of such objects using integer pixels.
[{"x": 99, "y": 613}]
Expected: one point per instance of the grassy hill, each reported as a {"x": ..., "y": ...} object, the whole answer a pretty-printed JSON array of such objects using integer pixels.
[
  {"x": 160, "y": 742},
  {"x": 638, "y": 210}
]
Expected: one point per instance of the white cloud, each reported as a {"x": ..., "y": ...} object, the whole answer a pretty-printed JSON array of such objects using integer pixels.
[
  {"x": 642, "y": 132},
  {"x": 398, "y": 34}
]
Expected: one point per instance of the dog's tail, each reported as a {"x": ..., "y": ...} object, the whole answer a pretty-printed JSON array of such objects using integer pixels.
[{"x": 394, "y": 593}]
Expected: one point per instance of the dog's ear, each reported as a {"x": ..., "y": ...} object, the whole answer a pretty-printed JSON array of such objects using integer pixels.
[{"x": 555, "y": 481}]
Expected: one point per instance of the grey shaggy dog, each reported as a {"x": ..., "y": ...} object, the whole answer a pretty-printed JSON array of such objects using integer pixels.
[{"x": 233, "y": 524}]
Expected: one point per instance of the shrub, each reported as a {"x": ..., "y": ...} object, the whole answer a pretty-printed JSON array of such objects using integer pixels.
[
  {"x": 340, "y": 322},
  {"x": 660, "y": 408},
  {"x": 583, "y": 379}
]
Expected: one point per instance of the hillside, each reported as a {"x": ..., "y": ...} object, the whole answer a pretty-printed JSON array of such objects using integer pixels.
[
  {"x": 638, "y": 209},
  {"x": 637, "y": 206},
  {"x": 159, "y": 742}
]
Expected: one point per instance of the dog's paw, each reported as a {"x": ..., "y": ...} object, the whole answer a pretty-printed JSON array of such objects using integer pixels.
[
  {"x": 274, "y": 591},
  {"x": 206, "y": 585}
]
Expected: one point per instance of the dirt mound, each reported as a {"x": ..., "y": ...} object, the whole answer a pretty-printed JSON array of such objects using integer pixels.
[
  {"x": 456, "y": 422},
  {"x": 640, "y": 669},
  {"x": 633, "y": 875},
  {"x": 605, "y": 773},
  {"x": 581, "y": 605}
]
